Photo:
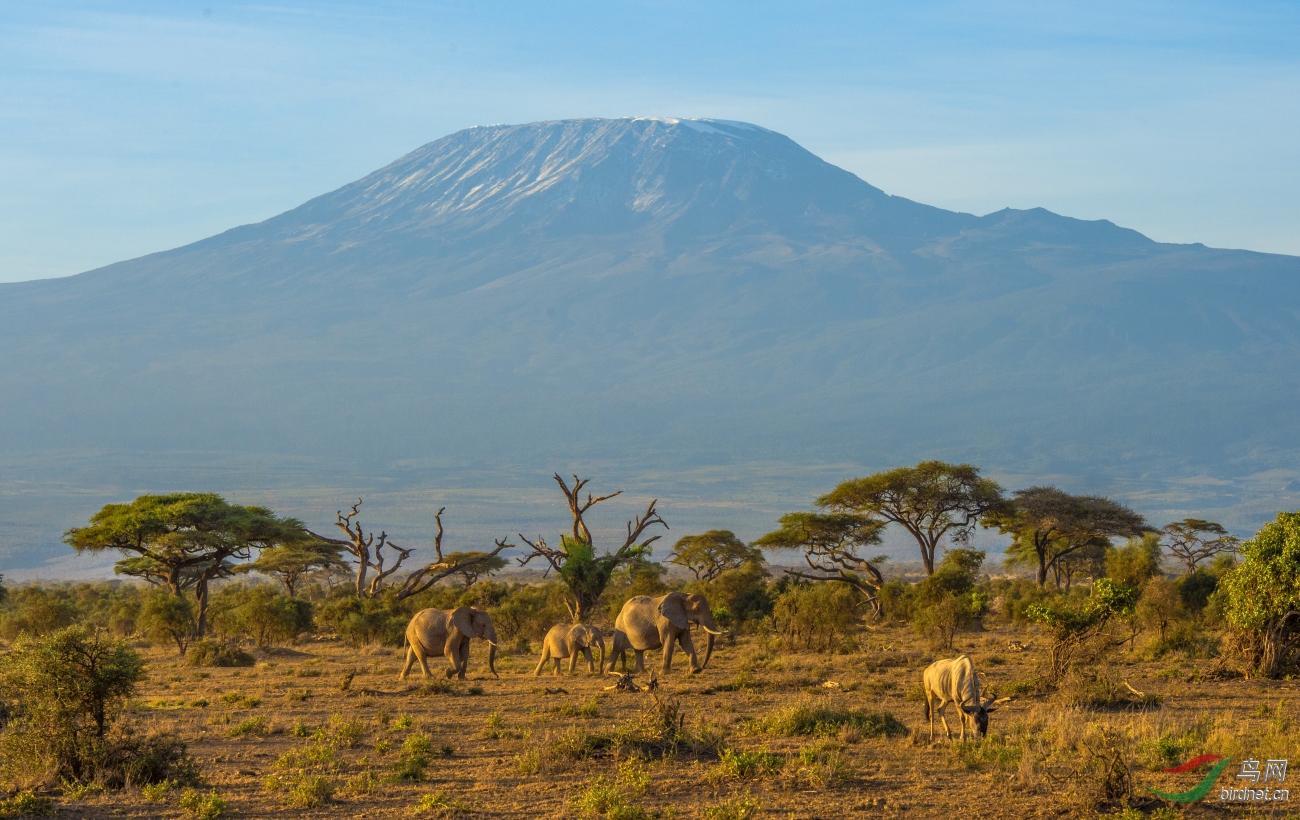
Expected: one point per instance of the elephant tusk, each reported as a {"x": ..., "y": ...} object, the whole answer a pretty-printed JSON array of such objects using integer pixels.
[
  {"x": 490, "y": 643},
  {"x": 712, "y": 631}
]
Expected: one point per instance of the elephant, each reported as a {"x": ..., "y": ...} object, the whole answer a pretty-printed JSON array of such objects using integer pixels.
[
  {"x": 568, "y": 641},
  {"x": 448, "y": 632},
  {"x": 618, "y": 648},
  {"x": 654, "y": 623}
]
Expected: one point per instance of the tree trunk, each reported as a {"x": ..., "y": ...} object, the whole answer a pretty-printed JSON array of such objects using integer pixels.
[
  {"x": 1042, "y": 570},
  {"x": 201, "y": 595}
]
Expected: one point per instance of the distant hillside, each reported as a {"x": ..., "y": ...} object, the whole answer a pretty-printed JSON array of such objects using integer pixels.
[{"x": 694, "y": 309}]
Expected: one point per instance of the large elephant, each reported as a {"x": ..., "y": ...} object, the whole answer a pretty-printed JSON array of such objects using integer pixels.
[
  {"x": 654, "y": 623},
  {"x": 447, "y": 632},
  {"x": 569, "y": 641}
]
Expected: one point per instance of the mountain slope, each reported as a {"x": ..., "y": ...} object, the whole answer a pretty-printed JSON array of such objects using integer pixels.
[{"x": 652, "y": 297}]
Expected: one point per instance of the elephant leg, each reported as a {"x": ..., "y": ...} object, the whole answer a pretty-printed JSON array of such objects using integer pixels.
[
  {"x": 591, "y": 662},
  {"x": 546, "y": 655},
  {"x": 640, "y": 660},
  {"x": 688, "y": 646},
  {"x": 410, "y": 661},
  {"x": 668, "y": 645},
  {"x": 463, "y": 659},
  {"x": 573, "y": 660}
]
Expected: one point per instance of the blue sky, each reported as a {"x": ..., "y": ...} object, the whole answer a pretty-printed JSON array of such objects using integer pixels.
[{"x": 132, "y": 127}]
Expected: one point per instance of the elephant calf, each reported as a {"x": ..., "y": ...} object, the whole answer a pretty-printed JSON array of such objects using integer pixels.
[
  {"x": 568, "y": 641},
  {"x": 448, "y": 632}
]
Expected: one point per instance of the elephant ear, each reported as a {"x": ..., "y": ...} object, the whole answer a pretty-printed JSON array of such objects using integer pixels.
[
  {"x": 578, "y": 635},
  {"x": 462, "y": 617},
  {"x": 673, "y": 607}
]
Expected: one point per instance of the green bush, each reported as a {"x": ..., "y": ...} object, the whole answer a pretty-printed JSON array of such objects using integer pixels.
[
  {"x": 27, "y": 804},
  {"x": 217, "y": 654},
  {"x": 261, "y": 612},
  {"x": 814, "y": 717},
  {"x": 817, "y": 615},
  {"x": 617, "y": 799},
  {"x": 68, "y": 689},
  {"x": 1262, "y": 595},
  {"x": 167, "y": 619},
  {"x": 362, "y": 621},
  {"x": 202, "y": 806},
  {"x": 36, "y": 610}
]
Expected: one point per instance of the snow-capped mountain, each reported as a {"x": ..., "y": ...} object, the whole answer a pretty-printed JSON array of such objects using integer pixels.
[{"x": 653, "y": 298}]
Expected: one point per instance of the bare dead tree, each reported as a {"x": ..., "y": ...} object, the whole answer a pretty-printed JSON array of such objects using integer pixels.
[
  {"x": 575, "y": 560},
  {"x": 368, "y": 550}
]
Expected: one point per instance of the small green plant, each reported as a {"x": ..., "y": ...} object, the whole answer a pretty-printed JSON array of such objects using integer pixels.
[
  {"x": 309, "y": 791},
  {"x": 440, "y": 804},
  {"x": 156, "y": 792},
  {"x": 301, "y": 729},
  {"x": 403, "y": 723},
  {"x": 586, "y": 709},
  {"x": 474, "y": 690},
  {"x": 617, "y": 799},
  {"x": 737, "y": 807},
  {"x": 202, "y": 806},
  {"x": 297, "y": 695},
  {"x": 746, "y": 765},
  {"x": 256, "y": 726},
  {"x": 309, "y": 758},
  {"x": 78, "y": 790},
  {"x": 341, "y": 733},
  {"x": 529, "y": 761},
  {"x": 361, "y": 783},
  {"x": 810, "y": 717},
  {"x": 199, "y": 703},
  {"x": 26, "y": 804}
]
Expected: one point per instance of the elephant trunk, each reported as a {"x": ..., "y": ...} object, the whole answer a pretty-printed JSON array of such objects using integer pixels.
[
  {"x": 492, "y": 660},
  {"x": 602, "y": 656},
  {"x": 708, "y": 650}
]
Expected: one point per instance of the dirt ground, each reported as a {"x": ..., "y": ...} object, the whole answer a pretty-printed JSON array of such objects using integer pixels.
[{"x": 493, "y": 742}]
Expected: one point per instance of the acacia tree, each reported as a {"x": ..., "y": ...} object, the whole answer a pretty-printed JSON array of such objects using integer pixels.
[
  {"x": 1262, "y": 597},
  {"x": 712, "y": 553},
  {"x": 1049, "y": 525},
  {"x": 831, "y": 544},
  {"x": 195, "y": 534},
  {"x": 932, "y": 500},
  {"x": 289, "y": 563},
  {"x": 585, "y": 573},
  {"x": 1194, "y": 540},
  {"x": 368, "y": 552}
]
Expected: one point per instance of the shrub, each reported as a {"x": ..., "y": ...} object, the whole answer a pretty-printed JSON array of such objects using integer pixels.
[
  {"x": 256, "y": 726},
  {"x": 811, "y": 717},
  {"x": 217, "y": 653},
  {"x": 816, "y": 616},
  {"x": 440, "y": 804},
  {"x": 341, "y": 733},
  {"x": 156, "y": 792},
  {"x": 167, "y": 618},
  {"x": 617, "y": 799},
  {"x": 134, "y": 760},
  {"x": 69, "y": 688},
  {"x": 27, "y": 804},
  {"x": 737, "y": 807},
  {"x": 745, "y": 765},
  {"x": 361, "y": 621},
  {"x": 308, "y": 791},
  {"x": 1262, "y": 597},
  {"x": 261, "y": 612},
  {"x": 36, "y": 610},
  {"x": 202, "y": 806},
  {"x": 1079, "y": 631}
]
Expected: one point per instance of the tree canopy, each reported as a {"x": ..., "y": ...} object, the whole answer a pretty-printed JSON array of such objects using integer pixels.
[
  {"x": 1262, "y": 595},
  {"x": 832, "y": 545},
  {"x": 710, "y": 554},
  {"x": 1194, "y": 540},
  {"x": 184, "y": 533},
  {"x": 932, "y": 500},
  {"x": 1048, "y": 525},
  {"x": 584, "y": 571}
]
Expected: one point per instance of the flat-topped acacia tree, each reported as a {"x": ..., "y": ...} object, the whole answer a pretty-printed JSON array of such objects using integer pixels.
[
  {"x": 932, "y": 500},
  {"x": 585, "y": 573},
  {"x": 186, "y": 539}
]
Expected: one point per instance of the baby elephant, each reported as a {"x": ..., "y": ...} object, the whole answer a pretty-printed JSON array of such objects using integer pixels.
[
  {"x": 619, "y": 647},
  {"x": 566, "y": 641}
]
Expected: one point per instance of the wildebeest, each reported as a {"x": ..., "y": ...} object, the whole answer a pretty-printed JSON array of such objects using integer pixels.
[{"x": 955, "y": 681}]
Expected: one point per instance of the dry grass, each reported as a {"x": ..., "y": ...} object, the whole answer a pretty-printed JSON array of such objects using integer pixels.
[{"x": 757, "y": 735}]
